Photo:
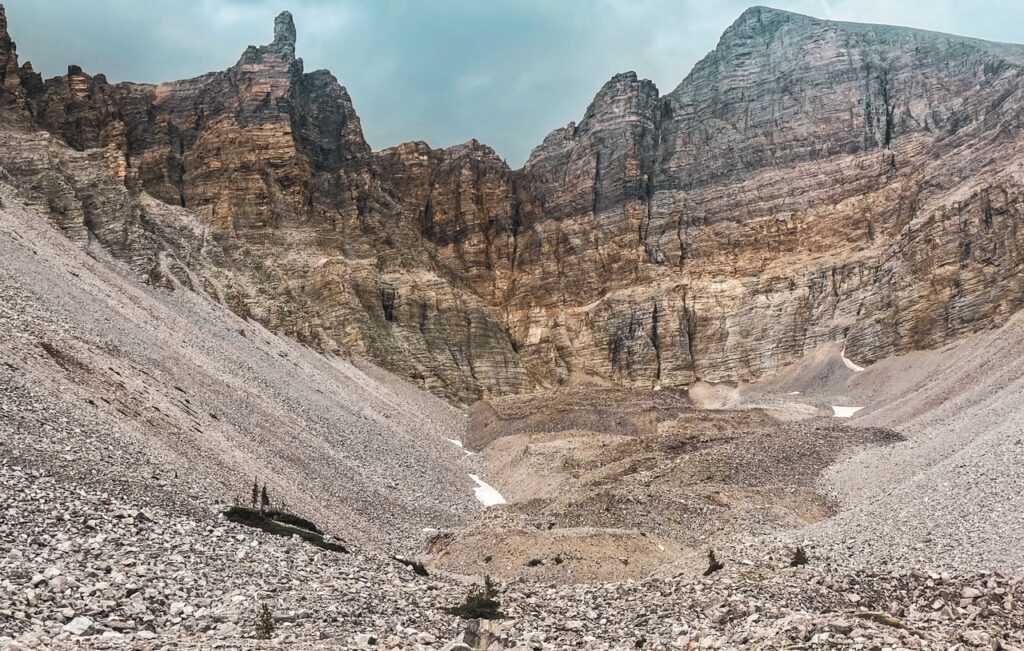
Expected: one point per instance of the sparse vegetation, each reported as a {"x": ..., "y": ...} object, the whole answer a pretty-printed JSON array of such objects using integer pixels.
[
  {"x": 283, "y": 524},
  {"x": 264, "y": 499},
  {"x": 799, "y": 558},
  {"x": 481, "y": 603},
  {"x": 265, "y": 623},
  {"x": 713, "y": 564}
]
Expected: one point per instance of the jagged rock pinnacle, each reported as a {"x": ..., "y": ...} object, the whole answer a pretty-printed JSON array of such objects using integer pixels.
[{"x": 284, "y": 32}]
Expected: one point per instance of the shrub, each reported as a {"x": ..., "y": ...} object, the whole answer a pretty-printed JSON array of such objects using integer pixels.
[
  {"x": 799, "y": 558},
  {"x": 713, "y": 564},
  {"x": 283, "y": 525},
  {"x": 481, "y": 603},
  {"x": 265, "y": 623}
]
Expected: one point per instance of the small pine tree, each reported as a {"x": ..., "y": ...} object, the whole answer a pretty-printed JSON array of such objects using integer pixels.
[
  {"x": 255, "y": 491},
  {"x": 799, "y": 558},
  {"x": 479, "y": 603},
  {"x": 713, "y": 564},
  {"x": 265, "y": 623},
  {"x": 264, "y": 499}
]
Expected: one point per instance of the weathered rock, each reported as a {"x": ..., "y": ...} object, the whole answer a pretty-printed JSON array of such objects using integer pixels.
[
  {"x": 295, "y": 228},
  {"x": 808, "y": 182},
  {"x": 79, "y": 627}
]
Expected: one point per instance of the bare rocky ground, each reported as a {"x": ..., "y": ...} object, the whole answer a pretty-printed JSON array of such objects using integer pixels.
[
  {"x": 174, "y": 383},
  {"x": 130, "y": 416},
  {"x": 948, "y": 498},
  {"x": 609, "y": 484}
]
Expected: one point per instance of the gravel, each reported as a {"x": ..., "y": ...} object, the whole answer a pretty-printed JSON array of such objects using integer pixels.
[
  {"x": 131, "y": 416},
  {"x": 176, "y": 387},
  {"x": 950, "y": 498}
]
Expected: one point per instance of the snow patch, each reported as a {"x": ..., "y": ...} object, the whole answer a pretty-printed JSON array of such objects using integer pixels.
[
  {"x": 844, "y": 412},
  {"x": 487, "y": 494},
  {"x": 850, "y": 365},
  {"x": 459, "y": 444}
]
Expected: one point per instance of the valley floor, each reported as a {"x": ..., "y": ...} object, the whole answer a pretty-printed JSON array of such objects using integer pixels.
[
  {"x": 130, "y": 417},
  {"x": 85, "y": 568}
]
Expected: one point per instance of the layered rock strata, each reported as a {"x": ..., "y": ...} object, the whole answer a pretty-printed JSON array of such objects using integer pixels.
[{"x": 809, "y": 181}]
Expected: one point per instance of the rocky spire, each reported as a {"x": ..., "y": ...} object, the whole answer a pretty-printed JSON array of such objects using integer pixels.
[
  {"x": 6, "y": 44},
  {"x": 10, "y": 83},
  {"x": 284, "y": 33}
]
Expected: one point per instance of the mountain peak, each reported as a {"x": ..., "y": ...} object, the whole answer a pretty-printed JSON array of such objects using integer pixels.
[
  {"x": 284, "y": 33},
  {"x": 759, "y": 20}
]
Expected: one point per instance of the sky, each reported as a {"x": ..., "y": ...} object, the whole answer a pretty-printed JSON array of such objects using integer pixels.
[{"x": 505, "y": 72}]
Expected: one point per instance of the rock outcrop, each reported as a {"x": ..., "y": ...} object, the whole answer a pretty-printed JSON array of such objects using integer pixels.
[
  {"x": 295, "y": 226},
  {"x": 809, "y": 181}
]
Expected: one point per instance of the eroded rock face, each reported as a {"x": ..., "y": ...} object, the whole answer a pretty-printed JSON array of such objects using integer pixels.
[
  {"x": 809, "y": 181},
  {"x": 294, "y": 226}
]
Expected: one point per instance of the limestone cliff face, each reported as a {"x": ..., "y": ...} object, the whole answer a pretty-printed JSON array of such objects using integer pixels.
[
  {"x": 464, "y": 201},
  {"x": 809, "y": 181},
  {"x": 287, "y": 219}
]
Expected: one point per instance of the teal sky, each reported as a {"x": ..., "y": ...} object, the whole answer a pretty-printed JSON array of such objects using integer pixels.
[{"x": 505, "y": 72}]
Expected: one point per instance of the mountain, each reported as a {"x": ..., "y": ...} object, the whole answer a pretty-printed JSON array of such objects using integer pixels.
[
  {"x": 197, "y": 277},
  {"x": 298, "y": 229},
  {"x": 809, "y": 181}
]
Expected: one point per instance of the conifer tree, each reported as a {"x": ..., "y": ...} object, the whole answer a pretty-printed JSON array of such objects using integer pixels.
[
  {"x": 713, "y": 564},
  {"x": 799, "y": 558},
  {"x": 265, "y": 624},
  {"x": 264, "y": 499}
]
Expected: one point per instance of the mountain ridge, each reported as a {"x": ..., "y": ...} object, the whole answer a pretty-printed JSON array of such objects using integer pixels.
[{"x": 717, "y": 232}]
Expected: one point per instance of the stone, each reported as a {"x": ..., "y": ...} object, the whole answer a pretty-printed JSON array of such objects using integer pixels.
[
  {"x": 970, "y": 593},
  {"x": 425, "y": 638},
  {"x": 80, "y": 627}
]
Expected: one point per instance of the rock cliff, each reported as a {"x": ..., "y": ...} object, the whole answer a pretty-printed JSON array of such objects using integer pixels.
[
  {"x": 287, "y": 220},
  {"x": 808, "y": 181}
]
